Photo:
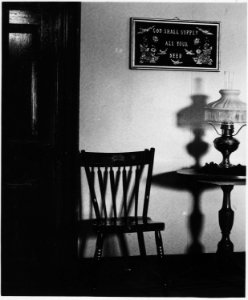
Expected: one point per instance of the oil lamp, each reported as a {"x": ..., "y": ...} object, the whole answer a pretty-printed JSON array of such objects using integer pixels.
[{"x": 225, "y": 112}]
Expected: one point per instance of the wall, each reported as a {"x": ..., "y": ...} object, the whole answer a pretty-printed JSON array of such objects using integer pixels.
[{"x": 125, "y": 110}]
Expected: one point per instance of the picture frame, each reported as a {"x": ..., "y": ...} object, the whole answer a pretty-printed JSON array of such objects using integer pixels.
[{"x": 161, "y": 44}]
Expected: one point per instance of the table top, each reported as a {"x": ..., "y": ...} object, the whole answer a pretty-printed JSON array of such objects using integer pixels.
[{"x": 218, "y": 179}]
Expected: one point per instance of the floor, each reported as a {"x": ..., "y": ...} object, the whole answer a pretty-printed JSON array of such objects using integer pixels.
[{"x": 186, "y": 276}]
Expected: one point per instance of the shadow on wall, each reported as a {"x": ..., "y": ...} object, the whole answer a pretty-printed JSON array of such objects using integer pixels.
[
  {"x": 172, "y": 180},
  {"x": 191, "y": 118}
]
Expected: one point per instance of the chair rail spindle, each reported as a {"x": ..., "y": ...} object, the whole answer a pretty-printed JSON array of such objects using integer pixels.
[
  {"x": 103, "y": 186},
  {"x": 114, "y": 188},
  {"x": 90, "y": 174}
]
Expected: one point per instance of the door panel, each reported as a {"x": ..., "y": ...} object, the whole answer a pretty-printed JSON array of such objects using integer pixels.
[{"x": 40, "y": 90}]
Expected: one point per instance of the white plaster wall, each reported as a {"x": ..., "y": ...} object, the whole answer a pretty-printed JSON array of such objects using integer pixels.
[{"x": 125, "y": 110}]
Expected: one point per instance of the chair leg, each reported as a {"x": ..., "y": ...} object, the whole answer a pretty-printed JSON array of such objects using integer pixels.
[
  {"x": 127, "y": 266},
  {"x": 97, "y": 264},
  {"x": 123, "y": 245},
  {"x": 159, "y": 243},
  {"x": 161, "y": 257},
  {"x": 141, "y": 241},
  {"x": 99, "y": 246}
]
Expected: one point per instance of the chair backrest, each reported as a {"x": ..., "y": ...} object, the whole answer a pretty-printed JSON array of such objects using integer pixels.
[{"x": 124, "y": 172}]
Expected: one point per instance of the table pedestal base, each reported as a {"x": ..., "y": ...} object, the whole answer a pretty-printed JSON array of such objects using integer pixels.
[{"x": 226, "y": 218}]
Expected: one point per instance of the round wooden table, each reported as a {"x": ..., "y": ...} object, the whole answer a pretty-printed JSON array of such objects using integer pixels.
[{"x": 226, "y": 214}]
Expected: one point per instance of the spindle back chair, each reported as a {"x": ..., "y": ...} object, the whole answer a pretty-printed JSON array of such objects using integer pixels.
[{"x": 114, "y": 187}]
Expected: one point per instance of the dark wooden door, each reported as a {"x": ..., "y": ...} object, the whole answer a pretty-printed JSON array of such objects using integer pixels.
[{"x": 40, "y": 91}]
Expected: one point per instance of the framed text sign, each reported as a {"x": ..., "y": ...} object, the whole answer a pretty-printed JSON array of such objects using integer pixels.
[{"x": 174, "y": 45}]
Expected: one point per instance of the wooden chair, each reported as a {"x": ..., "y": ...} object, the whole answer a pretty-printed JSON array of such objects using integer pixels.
[{"x": 124, "y": 212}]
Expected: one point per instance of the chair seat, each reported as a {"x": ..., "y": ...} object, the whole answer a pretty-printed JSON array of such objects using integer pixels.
[{"x": 129, "y": 224}]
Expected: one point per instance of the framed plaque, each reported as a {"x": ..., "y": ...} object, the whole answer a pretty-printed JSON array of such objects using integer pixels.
[{"x": 174, "y": 45}]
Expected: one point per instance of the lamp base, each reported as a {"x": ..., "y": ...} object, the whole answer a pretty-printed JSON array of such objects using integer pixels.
[{"x": 226, "y": 145}]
